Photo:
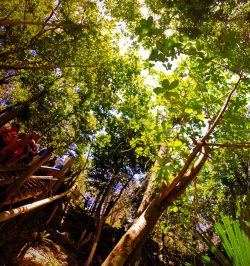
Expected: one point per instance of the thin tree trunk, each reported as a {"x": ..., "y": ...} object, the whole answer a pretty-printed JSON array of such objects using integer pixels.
[
  {"x": 8, "y": 116},
  {"x": 148, "y": 196},
  {"x": 97, "y": 210},
  {"x": 16, "y": 22},
  {"x": 7, "y": 109},
  {"x": 149, "y": 193},
  {"x": 95, "y": 241},
  {"x": 104, "y": 209},
  {"x": 52, "y": 215},
  {"x": 65, "y": 210},
  {"x": 41, "y": 67}
]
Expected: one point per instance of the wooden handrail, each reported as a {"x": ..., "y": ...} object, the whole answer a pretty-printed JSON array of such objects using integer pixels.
[
  {"x": 24, "y": 176},
  {"x": 43, "y": 177},
  {"x": 29, "y": 207},
  {"x": 49, "y": 168}
]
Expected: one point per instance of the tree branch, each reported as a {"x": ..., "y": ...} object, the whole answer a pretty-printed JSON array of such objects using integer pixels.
[
  {"x": 45, "y": 24},
  {"x": 42, "y": 67},
  {"x": 197, "y": 148},
  {"x": 225, "y": 145},
  {"x": 15, "y": 22},
  {"x": 202, "y": 94},
  {"x": 223, "y": 109}
]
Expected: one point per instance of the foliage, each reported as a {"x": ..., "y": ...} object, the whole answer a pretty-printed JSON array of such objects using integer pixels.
[
  {"x": 42, "y": 238},
  {"x": 235, "y": 243},
  {"x": 95, "y": 98}
]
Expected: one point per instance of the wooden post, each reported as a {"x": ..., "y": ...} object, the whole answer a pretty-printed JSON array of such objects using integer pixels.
[
  {"x": 24, "y": 176},
  {"x": 60, "y": 176}
]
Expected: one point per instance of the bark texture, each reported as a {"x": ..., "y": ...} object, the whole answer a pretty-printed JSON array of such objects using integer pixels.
[{"x": 134, "y": 235}]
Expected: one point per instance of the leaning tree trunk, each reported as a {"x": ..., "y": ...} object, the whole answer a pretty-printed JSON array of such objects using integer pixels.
[
  {"x": 147, "y": 220},
  {"x": 148, "y": 196},
  {"x": 95, "y": 241},
  {"x": 104, "y": 213},
  {"x": 149, "y": 193}
]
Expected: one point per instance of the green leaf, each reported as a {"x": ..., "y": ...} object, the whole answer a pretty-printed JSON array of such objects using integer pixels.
[
  {"x": 174, "y": 84},
  {"x": 201, "y": 117},
  {"x": 206, "y": 259},
  {"x": 172, "y": 209},
  {"x": 155, "y": 168},
  {"x": 153, "y": 55},
  {"x": 235, "y": 242},
  {"x": 165, "y": 84},
  {"x": 189, "y": 110},
  {"x": 158, "y": 90},
  {"x": 177, "y": 143},
  {"x": 175, "y": 209},
  {"x": 150, "y": 22},
  {"x": 166, "y": 229},
  {"x": 168, "y": 95}
]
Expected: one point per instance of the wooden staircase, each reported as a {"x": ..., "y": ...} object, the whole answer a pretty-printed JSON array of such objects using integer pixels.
[
  {"x": 24, "y": 185},
  {"x": 31, "y": 188}
]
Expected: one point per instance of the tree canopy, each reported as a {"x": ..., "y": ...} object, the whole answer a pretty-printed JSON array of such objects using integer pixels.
[{"x": 81, "y": 73}]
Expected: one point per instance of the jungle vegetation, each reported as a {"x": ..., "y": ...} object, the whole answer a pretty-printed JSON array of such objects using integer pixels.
[{"x": 152, "y": 98}]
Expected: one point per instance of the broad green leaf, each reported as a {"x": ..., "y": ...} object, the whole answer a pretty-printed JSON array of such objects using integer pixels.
[
  {"x": 155, "y": 168},
  {"x": 150, "y": 22},
  {"x": 158, "y": 90},
  {"x": 165, "y": 84},
  {"x": 175, "y": 209},
  {"x": 153, "y": 55},
  {"x": 172, "y": 209},
  {"x": 174, "y": 84},
  {"x": 168, "y": 95}
]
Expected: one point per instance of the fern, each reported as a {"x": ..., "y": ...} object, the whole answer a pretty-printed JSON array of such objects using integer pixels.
[{"x": 234, "y": 240}]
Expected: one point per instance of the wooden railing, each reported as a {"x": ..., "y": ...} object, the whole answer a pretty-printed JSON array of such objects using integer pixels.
[{"x": 29, "y": 187}]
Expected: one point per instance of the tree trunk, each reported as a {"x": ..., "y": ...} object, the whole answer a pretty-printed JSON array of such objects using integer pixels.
[
  {"x": 8, "y": 116},
  {"x": 134, "y": 235},
  {"x": 95, "y": 241},
  {"x": 52, "y": 214},
  {"x": 41, "y": 67},
  {"x": 149, "y": 193},
  {"x": 145, "y": 223},
  {"x": 7, "y": 109},
  {"x": 17, "y": 22},
  {"x": 148, "y": 196}
]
